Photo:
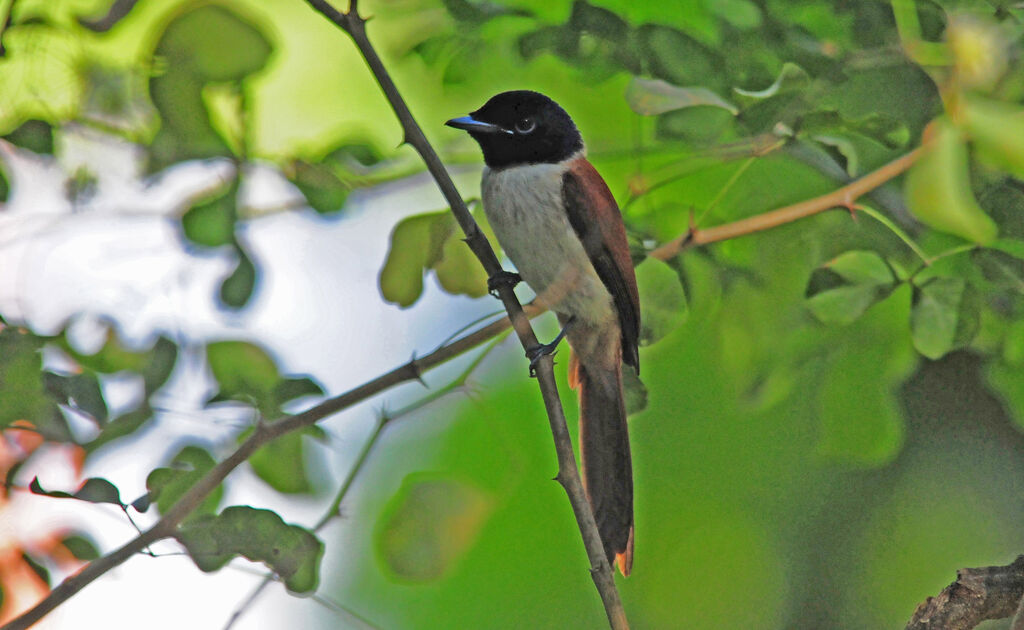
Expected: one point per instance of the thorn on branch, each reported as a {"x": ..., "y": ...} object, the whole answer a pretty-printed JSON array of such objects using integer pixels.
[{"x": 417, "y": 373}]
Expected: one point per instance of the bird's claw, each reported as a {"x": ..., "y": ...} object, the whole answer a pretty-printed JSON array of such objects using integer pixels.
[
  {"x": 502, "y": 278},
  {"x": 538, "y": 352}
]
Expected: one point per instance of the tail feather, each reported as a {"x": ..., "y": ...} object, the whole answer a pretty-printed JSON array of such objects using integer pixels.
[{"x": 604, "y": 452}]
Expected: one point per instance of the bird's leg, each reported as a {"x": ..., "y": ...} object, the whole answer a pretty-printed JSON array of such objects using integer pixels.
[
  {"x": 535, "y": 353},
  {"x": 503, "y": 277}
]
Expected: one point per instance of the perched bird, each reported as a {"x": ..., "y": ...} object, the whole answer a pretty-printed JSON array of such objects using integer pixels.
[{"x": 559, "y": 224}]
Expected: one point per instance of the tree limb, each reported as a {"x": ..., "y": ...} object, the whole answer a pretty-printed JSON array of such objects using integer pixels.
[{"x": 976, "y": 596}]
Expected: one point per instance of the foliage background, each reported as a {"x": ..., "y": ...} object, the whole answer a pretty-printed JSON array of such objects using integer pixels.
[{"x": 790, "y": 472}]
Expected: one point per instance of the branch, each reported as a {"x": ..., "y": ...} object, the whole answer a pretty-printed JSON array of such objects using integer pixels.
[
  {"x": 976, "y": 596},
  {"x": 840, "y": 198}
]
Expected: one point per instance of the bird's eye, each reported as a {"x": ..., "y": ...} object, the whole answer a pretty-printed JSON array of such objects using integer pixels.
[{"x": 526, "y": 125}]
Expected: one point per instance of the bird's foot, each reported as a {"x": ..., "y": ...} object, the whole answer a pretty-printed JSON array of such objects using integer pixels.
[{"x": 502, "y": 278}]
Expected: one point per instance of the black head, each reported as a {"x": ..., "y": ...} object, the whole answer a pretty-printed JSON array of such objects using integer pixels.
[{"x": 521, "y": 127}]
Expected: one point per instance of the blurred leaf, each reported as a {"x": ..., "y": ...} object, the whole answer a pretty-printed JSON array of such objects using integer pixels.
[
  {"x": 205, "y": 45},
  {"x": 34, "y": 135},
  {"x": 938, "y": 187},
  {"x": 997, "y": 130},
  {"x": 887, "y": 131},
  {"x": 428, "y": 525},
  {"x": 945, "y": 316},
  {"x": 843, "y": 151},
  {"x": 81, "y": 547},
  {"x": 842, "y": 289},
  {"x": 429, "y": 241},
  {"x": 290, "y": 551},
  {"x": 92, "y": 490},
  {"x": 5, "y": 187},
  {"x": 211, "y": 223},
  {"x": 167, "y": 485},
  {"x": 320, "y": 185},
  {"x": 701, "y": 124},
  {"x": 477, "y": 13},
  {"x": 115, "y": 13},
  {"x": 281, "y": 463},
  {"x": 742, "y": 14},
  {"x": 662, "y": 300},
  {"x": 21, "y": 378},
  {"x": 292, "y": 388},
  {"x": 634, "y": 390},
  {"x": 244, "y": 372},
  {"x": 651, "y": 97},
  {"x": 237, "y": 288},
  {"x": 676, "y": 57},
  {"x": 79, "y": 391},
  {"x": 458, "y": 270},
  {"x": 791, "y": 77},
  {"x": 36, "y": 567}
]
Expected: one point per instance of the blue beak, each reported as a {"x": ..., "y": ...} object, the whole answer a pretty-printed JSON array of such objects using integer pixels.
[{"x": 472, "y": 125}]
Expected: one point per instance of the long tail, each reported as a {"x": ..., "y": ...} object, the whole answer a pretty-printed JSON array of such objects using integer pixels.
[{"x": 604, "y": 453}]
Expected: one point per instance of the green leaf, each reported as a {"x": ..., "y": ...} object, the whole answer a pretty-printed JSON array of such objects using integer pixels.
[
  {"x": 841, "y": 291},
  {"x": 662, "y": 300},
  {"x": 21, "y": 379},
  {"x": 245, "y": 372},
  {"x": 791, "y": 77},
  {"x": 281, "y": 463},
  {"x": 167, "y": 485},
  {"x": 891, "y": 133},
  {"x": 676, "y": 57},
  {"x": 81, "y": 392},
  {"x": 292, "y": 388},
  {"x": 945, "y": 316},
  {"x": 324, "y": 191},
  {"x": 634, "y": 391},
  {"x": 206, "y": 45},
  {"x": 429, "y": 524},
  {"x": 997, "y": 130},
  {"x": 81, "y": 547},
  {"x": 34, "y": 135},
  {"x": 211, "y": 223},
  {"x": 92, "y": 490},
  {"x": 652, "y": 97},
  {"x": 938, "y": 187},
  {"x": 237, "y": 288},
  {"x": 429, "y": 242},
  {"x": 290, "y": 551}
]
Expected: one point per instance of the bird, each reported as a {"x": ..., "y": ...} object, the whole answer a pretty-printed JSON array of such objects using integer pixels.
[{"x": 557, "y": 221}]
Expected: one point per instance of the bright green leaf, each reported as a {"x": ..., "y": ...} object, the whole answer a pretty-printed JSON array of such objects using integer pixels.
[
  {"x": 997, "y": 130},
  {"x": 290, "y": 551},
  {"x": 938, "y": 187}
]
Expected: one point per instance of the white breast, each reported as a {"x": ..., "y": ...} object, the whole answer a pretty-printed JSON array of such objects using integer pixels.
[{"x": 524, "y": 207}]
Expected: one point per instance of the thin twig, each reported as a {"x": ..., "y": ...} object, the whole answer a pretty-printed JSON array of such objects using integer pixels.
[{"x": 840, "y": 198}]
